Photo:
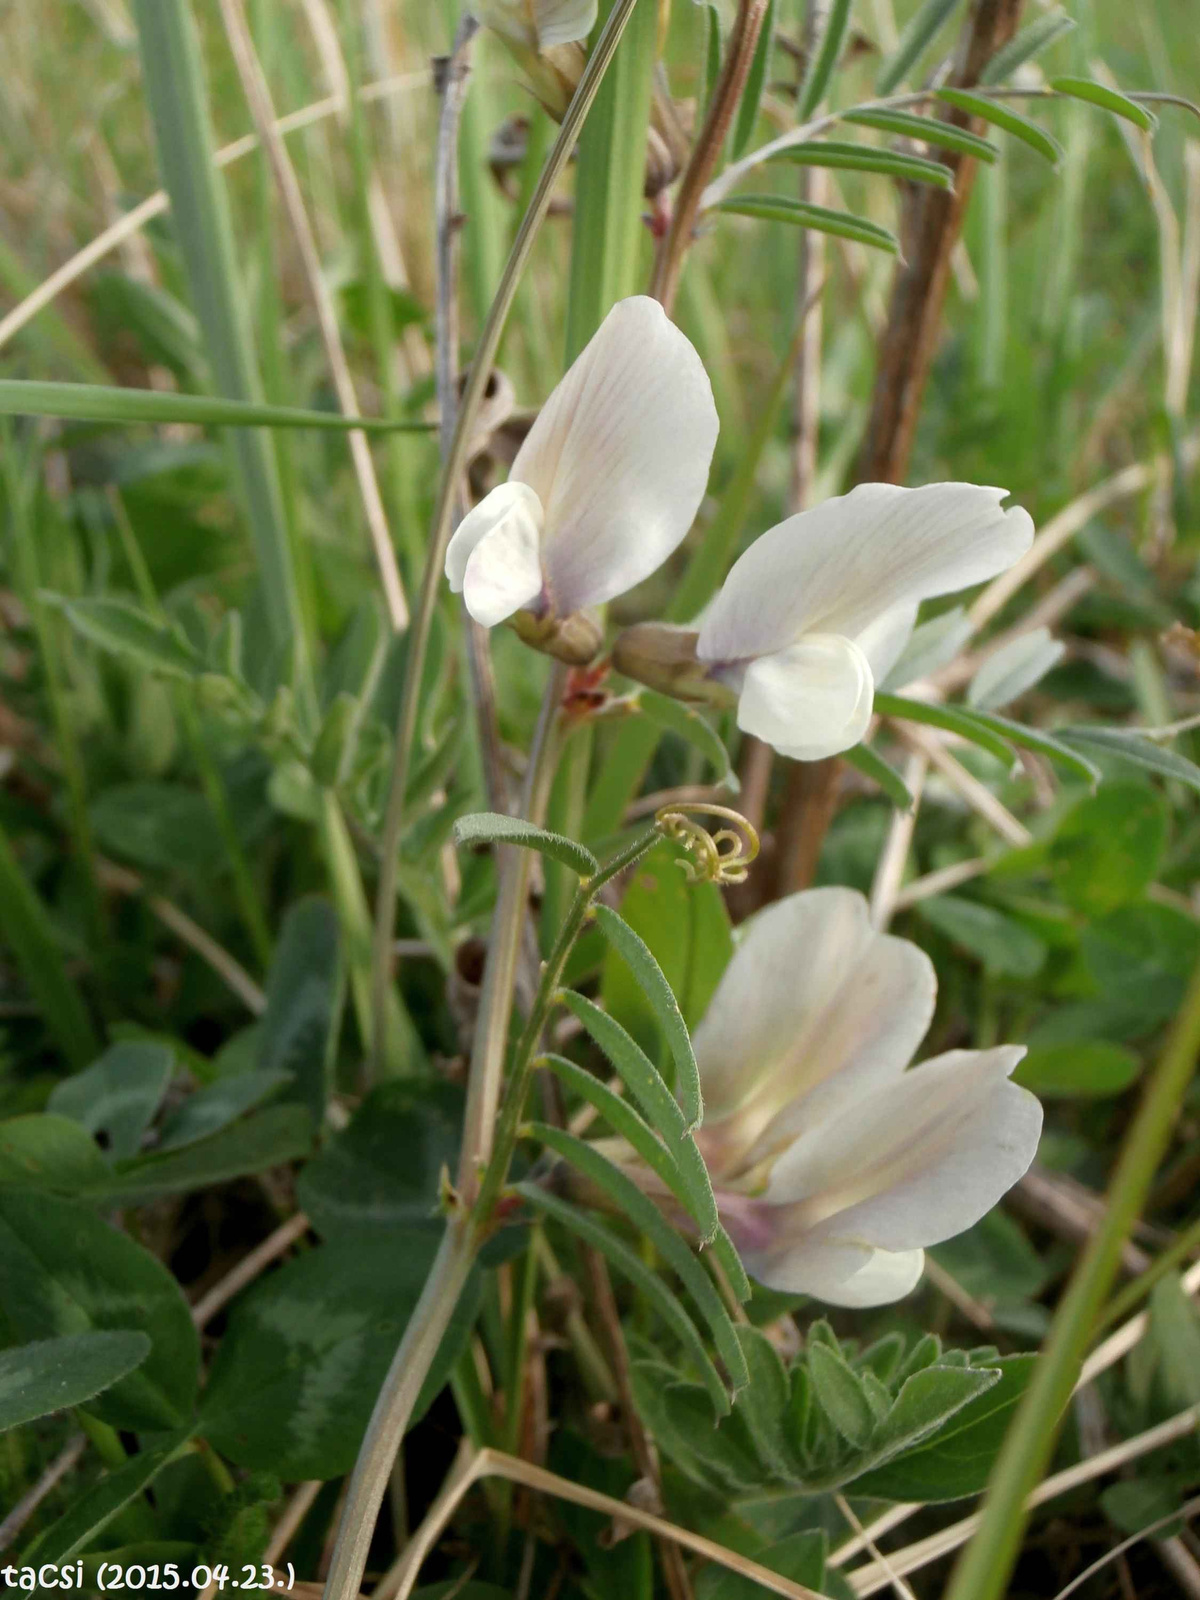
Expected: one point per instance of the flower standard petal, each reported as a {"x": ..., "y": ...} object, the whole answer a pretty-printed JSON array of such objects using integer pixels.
[
  {"x": 811, "y": 700},
  {"x": 619, "y": 456},
  {"x": 814, "y": 1007},
  {"x": 836, "y": 568},
  {"x": 494, "y": 558},
  {"x": 563, "y": 21}
]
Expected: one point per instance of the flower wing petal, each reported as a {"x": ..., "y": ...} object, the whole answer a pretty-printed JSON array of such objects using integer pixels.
[
  {"x": 810, "y": 700},
  {"x": 921, "y": 1160},
  {"x": 620, "y": 455},
  {"x": 494, "y": 557},
  {"x": 563, "y": 21},
  {"x": 883, "y": 641},
  {"x": 814, "y": 1006},
  {"x": 841, "y": 1272},
  {"x": 836, "y": 568}
]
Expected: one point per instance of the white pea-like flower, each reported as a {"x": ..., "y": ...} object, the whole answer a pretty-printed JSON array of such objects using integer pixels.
[
  {"x": 538, "y": 24},
  {"x": 817, "y": 610},
  {"x": 833, "y": 1166},
  {"x": 605, "y": 486}
]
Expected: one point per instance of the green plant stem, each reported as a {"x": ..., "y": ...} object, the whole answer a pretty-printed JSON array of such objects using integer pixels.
[
  {"x": 1119, "y": 1307},
  {"x": 983, "y": 1571},
  {"x": 476, "y": 387}
]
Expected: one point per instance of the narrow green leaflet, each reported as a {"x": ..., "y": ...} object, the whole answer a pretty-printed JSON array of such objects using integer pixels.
[
  {"x": 692, "y": 725},
  {"x": 930, "y": 130},
  {"x": 1005, "y": 117},
  {"x": 631, "y": 1266},
  {"x": 1099, "y": 94},
  {"x": 123, "y": 630},
  {"x": 682, "y": 1168},
  {"x": 841, "y": 1395},
  {"x": 633, "y": 1065},
  {"x": 304, "y": 990},
  {"x": 756, "y": 83},
  {"x": 1035, "y": 739},
  {"x": 37, "y": 1379},
  {"x": 493, "y": 827},
  {"x": 96, "y": 1507},
  {"x": 268, "y": 1138},
  {"x": 1125, "y": 744},
  {"x": 653, "y": 984},
  {"x": 765, "y": 1400},
  {"x": 67, "y": 1271},
  {"x": 953, "y": 719},
  {"x": 649, "y": 1220},
  {"x": 803, "y": 214},
  {"x": 873, "y": 766},
  {"x": 1030, "y": 42},
  {"x": 824, "y": 59},
  {"x": 919, "y": 33},
  {"x": 868, "y": 158},
  {"x": 118, "y": 1094},
  {"x": 95, "y": 402},
  {"x": 724, "y": 1252}
]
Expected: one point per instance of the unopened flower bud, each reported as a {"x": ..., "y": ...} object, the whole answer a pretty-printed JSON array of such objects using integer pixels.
[{"x": 576, "y": 639}]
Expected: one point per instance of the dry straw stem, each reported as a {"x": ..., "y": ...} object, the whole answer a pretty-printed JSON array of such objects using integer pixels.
[
  {"x": 889, "y": 870},
  {"x": 258, "y": 96},
  {"x": 156, "y": 204},
  {"x": 872, "y": 1577},
  {"x": 977, "y": 795},
  {"x": 397, "y": 1584},
  {"x": 54, "y": 1474},
  {"x": 288, "y": 1525}
]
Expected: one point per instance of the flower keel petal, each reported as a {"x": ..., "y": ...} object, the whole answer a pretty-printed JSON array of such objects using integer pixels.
[{"x": 811, "y": 700}]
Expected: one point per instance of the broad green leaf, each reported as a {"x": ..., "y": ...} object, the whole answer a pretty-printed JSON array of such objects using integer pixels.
[
  {"x": 953, "y": 719},
  {"x": 303, "y": 999},
  {"x": 65, "y": 1271},
  {"x": 268, "y": 1138},
  {"x": 631, "y": 1266},
  {"x": 52, "y": 1374},
  {"x": 764, "y": 1402},
  {"x": 873, "y": 766},
  {"x": 756, "y": 83},
  {"x": 493, "y": 827},
  {"x": 927, "y": 1400},
  {"x": 306, "y": 1350},
  {"x": 96, "y": 402},
  {"x": 1005, "y": 946},
  {"x": 1109, "y": 848},
  {"x": 868, "y": 158},
  {"x": 678, "y": 1417},
  {"x": 1091, "y": 1069},
  {"x": 653, "y": 983},
  {"x": 1099, "y": 94},
  {"x": 382, "y": 1173},
  {"x": 1014, "y": 669},
  {"x": 690, "y": 724},
  {"x": 1175, "y": 1336},
  {"x": 1142, "y": 953},
  {"x": 615, "y": 1567},
  {"x": 1030, "y": 42},
  {"x": 49, "y": 1152},
  {"x": 117, "y": 1095},
  {"x": 649, "y": 1220},
  {"x": 681, "y": 1167},
  {"x": 803, "y": 214},
  {"x": 165, "y": 826},
  {"x": 957, "y": 1459},
  {"x": 839, "y": 1392},
  {"x": 124, "y": 630},
  {"x": 919, "y": 33},
  {"x": 930, "y": 130},
  {"x": 1004, "y": 117},
  {"x": 218, "y": 1104},
  {"x": 823, "y": 61},
  {"x": 634, "y": 1067},
  {"x": 96, "y": 1507},
  {"x": 799, "y": 1556},
  {"x": 1133, "y": 748}
]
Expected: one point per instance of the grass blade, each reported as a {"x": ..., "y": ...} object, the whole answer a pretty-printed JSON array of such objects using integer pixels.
[
  {"x": 649, "y": 1220},
  {"x": 627, "y": 1262},
  {"x": 96, "y": 402},
  {"x": 682, "y": 1169},
  {"x": 918, "y": 35}
]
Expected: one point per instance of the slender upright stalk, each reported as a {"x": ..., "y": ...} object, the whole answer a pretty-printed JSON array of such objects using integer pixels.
[
  {"x": 443, "y": 521},
  {"x": 983, "y": 1571}
]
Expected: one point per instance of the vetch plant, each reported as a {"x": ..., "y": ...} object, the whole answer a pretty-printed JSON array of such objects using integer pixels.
[{"x": 410, "y": 1055}]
